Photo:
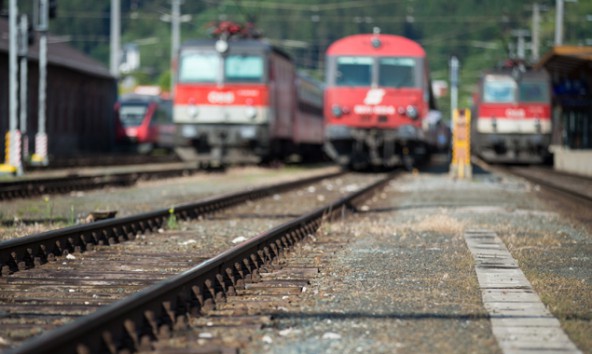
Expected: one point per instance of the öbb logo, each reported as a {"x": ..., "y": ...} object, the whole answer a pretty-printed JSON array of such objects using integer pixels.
[
  {"x": 374, "y": 96},
  {"x": 218, "y": 97}
]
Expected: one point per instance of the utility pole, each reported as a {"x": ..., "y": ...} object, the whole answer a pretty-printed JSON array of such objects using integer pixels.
[
  {"x": 115, "y": 36},
  {"x": 536, "y": 25},
  {"x": 175, "y": 37},
  {"x": 23, "y": 52},
  {"x": 13, "y": 141},
  {"x": 176, "y": 19},
  {"x": 454, "y": 66},
  {"x": 558, "y": 22},
  {"x": 521, "y": 43},
  {"x": 40, "y": 156}
]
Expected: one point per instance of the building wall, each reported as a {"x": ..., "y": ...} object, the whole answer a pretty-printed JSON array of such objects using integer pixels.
[{"x": 79, "y": 111}]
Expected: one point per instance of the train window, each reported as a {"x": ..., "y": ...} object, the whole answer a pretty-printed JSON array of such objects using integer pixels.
[
  {"x": 198, "y": 67},
  {"x": 354, "y": 71},
  {"x": 500, "y": 90},
  {"x": 243, "y": 68},
  {"x": 397, "y": 72},
  {"x": 132, "y": 115},
  {"x": 164, "y": 112},
  {"x": 533, "y": 91}
]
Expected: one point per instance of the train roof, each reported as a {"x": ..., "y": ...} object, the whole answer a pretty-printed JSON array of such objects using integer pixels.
[
  {"x": 58, "y": 54},
  {"x": 239, "y": 43},
  {"x": 376, "y": 45},
  {"x": 518, "y": 74}
]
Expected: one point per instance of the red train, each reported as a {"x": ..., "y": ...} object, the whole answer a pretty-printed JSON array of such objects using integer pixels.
[
  {"x": 512, "y": 115},
  {"x": 145, "y": 120},
  {"x": 377, "y": 96},
  {"x": 238, "y": 99}
]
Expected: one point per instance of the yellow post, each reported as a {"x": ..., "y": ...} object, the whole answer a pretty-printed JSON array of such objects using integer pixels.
[
  {"x": 7, "y": 167},
  {"x": 460, "y": 166}
]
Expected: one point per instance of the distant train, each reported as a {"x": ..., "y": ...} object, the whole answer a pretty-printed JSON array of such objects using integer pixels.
[
  {"x": 145, "y": 120},
  {"x": 377, "y": 98},
  {"x": 240, "y": 100},
  {"x": 512, "y": 116}
]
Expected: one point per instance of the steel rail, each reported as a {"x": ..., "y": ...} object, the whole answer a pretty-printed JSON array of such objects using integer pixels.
[
  {"x": 548, "y": 185},
  {"x": 26, "y": 188},
  {"x": 30, "y": 251},
  {"x": 133, "y": 323},
  {"x": 553, "y": 186}
]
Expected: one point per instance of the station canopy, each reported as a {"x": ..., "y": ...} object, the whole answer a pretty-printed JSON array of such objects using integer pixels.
[{"x": 567, "y": 61}]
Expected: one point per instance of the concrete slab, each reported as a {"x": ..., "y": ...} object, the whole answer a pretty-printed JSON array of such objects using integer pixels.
[{"x": 520, "y": 321}]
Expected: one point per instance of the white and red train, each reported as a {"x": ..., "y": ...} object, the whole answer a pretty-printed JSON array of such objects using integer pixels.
[
  {"x": 144, "y": 120},
  {"x": 512, "y": 116},
  {"x": 241, "y": 100},
  {"x": 377, "y": 100}
]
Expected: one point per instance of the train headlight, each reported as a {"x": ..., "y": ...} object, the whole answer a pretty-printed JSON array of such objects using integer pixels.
[
  {"x": 337, "y": 111},
  {"x": 221, "y": 46},
  {"x": 412, "y": 112},
  {"x": 251, "y": 112}
]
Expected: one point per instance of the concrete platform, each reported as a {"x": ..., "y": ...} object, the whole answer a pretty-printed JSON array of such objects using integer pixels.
[{"x": 573, "y": 161}]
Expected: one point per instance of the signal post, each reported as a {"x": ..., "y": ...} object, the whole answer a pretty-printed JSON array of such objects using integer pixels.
[{"x": 460, "y": 166}]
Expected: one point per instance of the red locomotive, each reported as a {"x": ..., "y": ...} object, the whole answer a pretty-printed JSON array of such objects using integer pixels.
[
  {"x": 377, "y": 96},
  {"x": 239, "y": 100},
  {"x": 145, "y": 120},
  {"x": 512, "y": 115}
]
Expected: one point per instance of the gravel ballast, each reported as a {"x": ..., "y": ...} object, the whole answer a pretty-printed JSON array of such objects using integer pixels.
[{"x": 404, "y": 281}]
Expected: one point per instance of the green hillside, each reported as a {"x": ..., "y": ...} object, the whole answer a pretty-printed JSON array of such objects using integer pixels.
[{"x": 476, "y": 31}]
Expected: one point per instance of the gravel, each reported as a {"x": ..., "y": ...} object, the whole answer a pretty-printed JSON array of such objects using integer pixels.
[
  {"x": 28, "y": 216},
  {"x": 405, "y": 283}
]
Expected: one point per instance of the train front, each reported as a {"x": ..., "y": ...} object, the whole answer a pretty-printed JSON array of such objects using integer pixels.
[
  {"x": 221, "y": 101},
  {"x": 513, "y": 118},
  {"x": 376, "y": 97}
]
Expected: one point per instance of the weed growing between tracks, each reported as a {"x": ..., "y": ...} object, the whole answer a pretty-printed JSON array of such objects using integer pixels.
[
  {"x": 48, "y": 207},
  {"x": 172, "y": 223}
]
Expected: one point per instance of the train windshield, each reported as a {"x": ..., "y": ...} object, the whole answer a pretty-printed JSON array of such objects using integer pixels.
[
  {"x": 533, "y": 91},
  {"x": 397, "y": 72},
  {"x": 499, "y": 90},
  {"x": 196, "y": 67},
  {"x": 132, "y": 115},
  {"x": 199, "y": 67},
  {"x": 243, "y": 68},
  {"x": 354, "y": 71}
]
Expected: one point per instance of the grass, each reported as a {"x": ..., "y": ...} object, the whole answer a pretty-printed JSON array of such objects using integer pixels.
[
  {"x": 172, "y": 223},
  {"x": 558, "y": 268}
]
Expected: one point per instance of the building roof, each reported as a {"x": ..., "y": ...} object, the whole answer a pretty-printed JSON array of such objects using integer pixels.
[
  {"x": 567, "y": 60},
  {"x": 58, "y": 54}
]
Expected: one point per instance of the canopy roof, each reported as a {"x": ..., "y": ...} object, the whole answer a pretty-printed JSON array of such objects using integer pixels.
[{"x": 567, "y": 60}]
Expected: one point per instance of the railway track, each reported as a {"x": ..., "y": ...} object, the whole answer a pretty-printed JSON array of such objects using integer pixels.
[
  {"x": 578, "y": 188},
  {"x": 573, "y": 186},
  {"x": 35, "y": 186},
  {"x": 158, "y": 267}
]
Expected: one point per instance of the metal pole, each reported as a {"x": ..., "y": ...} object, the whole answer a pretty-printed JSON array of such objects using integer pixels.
[
  {"x": 40, "y": 155},
  {"x": 13, "y": 154},
  {"x": 520, "y": 42},
  {"x": 175, "y": 37},
  {"x": 558, "y": 22},
  {"x": 12, "y": 65},
  {"x": 115, "y": 36},
  {"x": 536, "y": 25},
  {"x": 454, "y": 66},
  {"x": 23, "y": 51}
]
